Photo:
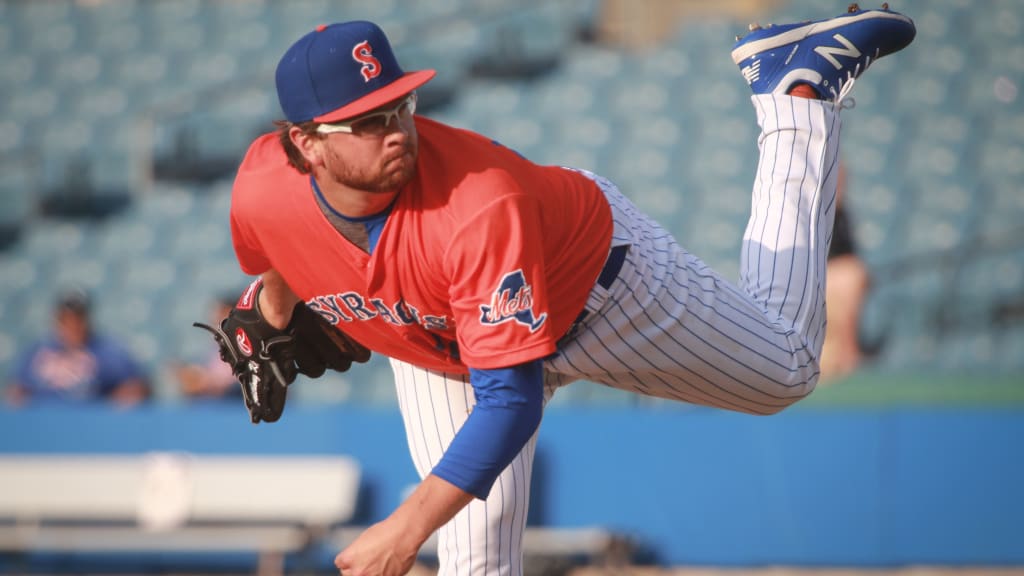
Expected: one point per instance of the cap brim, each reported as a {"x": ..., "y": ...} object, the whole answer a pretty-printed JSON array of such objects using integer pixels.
[{"x": 407, "y": 83}]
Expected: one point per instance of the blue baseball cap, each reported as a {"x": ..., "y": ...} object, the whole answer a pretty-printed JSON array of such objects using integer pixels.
[{"x": 339, "y": 71}]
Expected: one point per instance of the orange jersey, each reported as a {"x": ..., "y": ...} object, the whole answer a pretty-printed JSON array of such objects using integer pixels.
[{"x": 486, "y": 259}]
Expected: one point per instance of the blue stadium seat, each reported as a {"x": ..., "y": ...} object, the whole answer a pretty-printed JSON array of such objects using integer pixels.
[
  {"x": 593, "y": 64},
  {"x": 370, "y": 384},
  {"x": 726, "y": 97},
  {"x": 16, "y": 195},
  {"x": 150, "y": 276},
  {"x": 968, "y": 353},
  {"x": 67, "y": 144},
  {"x": 940, "y": 215},
  {"x": 246, "y": 39},
  {"x": 50, "y": 240},
  {"x": 1009, "y": 344},
  {"x": 924, "y": 91},
  {"x": 999, "y": 50},
  {"x": 73, "y": 72},
  {"x": 1002, "y": 219},
  {"x": 1002, "y": 19},
  {"x": 32, "y": 103},
  {"x": 166, "y": 201},
  {"x": 659, "y": 199},
  {"x": 200, "y": 70},
  {"x": 16, "y": 70},
  {"x": 121, "y": 238},
  {"x": 874, "y": 150},
  {"x": 34, "y": 301},
  {"x": 954, "y": 130},
  {"x": 170, "y": 12},
  {"x": 201, "y": 239},
  {"x": 107, "y": 104},
  {"x": 1001, "y": 158},
  {"x": 725, "y": 204},
  {"x": 481, "y": 99},
  {"x": 58, "y": 36},
  {"x": 218, "y": 275},
  {"x": 20, "y": 271},
  {"x": 187, "y": 304},
  {"x": 1002, "y": 126},
  {"x": 992, "y": 277},
  {"x": 668, "y": 64},
  {"x": 555, "y": 98},
  {"x": 117, "y": 172},
  {"x": 638, "y": 163},
  {"x": 90, "y": 273},
  {"x": 229, "y": 13},
  {"x": 39, "y": 14},
  {"x": 935, "y": 20},
  {"x": 566, "y": 153},
  {"x": 226, "y": 126},
  {"x": 909, "y": 349},
  {"x": 541, "y": 31},
  {"x": 11, "y": 344},
  {"x": 130, "y": 317},
  {"x": 14, "y": 294},
  {"x": 6, "y": 29},
  {"x": 294, "y": 19},
  {"x": 715, "y": 164},
  {"x": 115, "y": 38},
  {"x": 98, "y": 17},
  {"x": 140, "y": 72}
]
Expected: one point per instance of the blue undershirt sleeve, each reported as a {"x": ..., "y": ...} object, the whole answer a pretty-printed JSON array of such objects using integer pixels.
[{"x": 509, "y": 404}]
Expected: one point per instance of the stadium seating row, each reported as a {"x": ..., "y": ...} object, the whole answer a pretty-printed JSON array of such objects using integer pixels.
[{"x": 108, "y": 89}]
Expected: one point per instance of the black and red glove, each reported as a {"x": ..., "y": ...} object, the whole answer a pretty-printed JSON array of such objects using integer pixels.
[{"x": 266, "y": 360}]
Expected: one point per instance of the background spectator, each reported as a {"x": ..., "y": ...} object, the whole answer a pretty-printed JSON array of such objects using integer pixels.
[
  {"x": 846, "y": 288},
  {"x": 75, "y": 363}
]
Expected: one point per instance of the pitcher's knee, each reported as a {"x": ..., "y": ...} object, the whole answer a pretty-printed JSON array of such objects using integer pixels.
[
  {"x": 796, "y": 387},
  {"x": 799, "y": 392}
]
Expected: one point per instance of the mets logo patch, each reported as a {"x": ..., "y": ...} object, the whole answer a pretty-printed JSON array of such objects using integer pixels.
[{"x": 513, "y": 300}]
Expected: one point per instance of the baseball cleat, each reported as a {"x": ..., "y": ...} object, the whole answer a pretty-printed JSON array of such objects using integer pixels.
[{"x": 825, "y": 54}]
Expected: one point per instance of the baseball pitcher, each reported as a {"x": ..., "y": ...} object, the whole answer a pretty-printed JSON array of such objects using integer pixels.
[{"x": 490, "y": 281}]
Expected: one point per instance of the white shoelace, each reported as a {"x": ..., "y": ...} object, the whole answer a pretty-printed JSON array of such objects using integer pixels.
[{"x": 847, "y": 84}]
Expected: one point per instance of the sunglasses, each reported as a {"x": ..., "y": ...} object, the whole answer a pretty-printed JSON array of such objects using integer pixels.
[{"x": 375, "y": 123}]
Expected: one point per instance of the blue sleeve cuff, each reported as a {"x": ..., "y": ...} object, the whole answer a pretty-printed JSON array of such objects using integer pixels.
[{"x": 509, "y": 405}]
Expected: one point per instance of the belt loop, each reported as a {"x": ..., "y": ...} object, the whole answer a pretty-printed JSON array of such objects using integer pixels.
[{"x": 612, "y": 266}]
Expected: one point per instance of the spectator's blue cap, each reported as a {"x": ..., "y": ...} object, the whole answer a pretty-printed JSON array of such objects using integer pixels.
[{"x": 340, "y": 71}]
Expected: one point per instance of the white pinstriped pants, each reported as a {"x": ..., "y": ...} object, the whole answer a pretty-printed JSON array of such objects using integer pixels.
[{"x": 669, "y": 326}]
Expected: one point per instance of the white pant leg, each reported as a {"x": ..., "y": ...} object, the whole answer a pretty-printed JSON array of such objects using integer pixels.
[
  {"x": 486, "y": 537},
  {"x": 785, "y": 246},
  {"x": 673, "y": 328}
]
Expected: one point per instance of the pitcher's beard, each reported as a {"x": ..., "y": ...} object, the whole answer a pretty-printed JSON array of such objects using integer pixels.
[
  {"x": 397, "y": 172},
  {"x": 391, "y": 175}
]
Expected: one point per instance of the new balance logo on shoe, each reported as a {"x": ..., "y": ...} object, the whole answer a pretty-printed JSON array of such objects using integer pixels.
[
  {"x": 752, "y": 72},
  {"x": 825, "y": 54},
  {"x": 830, "y": 52}
]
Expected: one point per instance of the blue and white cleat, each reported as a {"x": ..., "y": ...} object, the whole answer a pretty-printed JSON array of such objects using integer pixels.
[{"x": 827, "y": 54}]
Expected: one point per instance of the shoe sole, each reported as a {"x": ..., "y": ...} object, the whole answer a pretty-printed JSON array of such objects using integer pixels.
[{"x": 796, "y": 34}]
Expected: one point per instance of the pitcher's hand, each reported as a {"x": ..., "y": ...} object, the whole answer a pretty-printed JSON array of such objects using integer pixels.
[{"x": 384, "y": 549}]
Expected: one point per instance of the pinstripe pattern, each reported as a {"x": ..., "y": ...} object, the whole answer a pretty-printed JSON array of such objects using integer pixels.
[
  {"x": 486, "y": 537},
  {"x": 674, "y": 328},
  {"x": 669, "y": 326}
]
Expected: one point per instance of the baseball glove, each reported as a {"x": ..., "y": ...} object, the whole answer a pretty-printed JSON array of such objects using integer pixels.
[{"x": 266, "y": 360}]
